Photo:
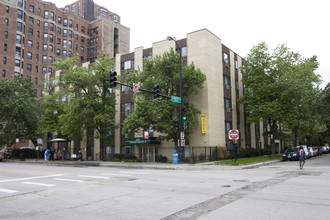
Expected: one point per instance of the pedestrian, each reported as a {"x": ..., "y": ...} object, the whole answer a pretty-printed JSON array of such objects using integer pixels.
[
  {"x": 301, "y": 157},
  {"x": 63, "y": 153},
  {"x": 47, "y": 152},
  {"x": 59, "y": 153},
  {"x": 79, "y": 156}
]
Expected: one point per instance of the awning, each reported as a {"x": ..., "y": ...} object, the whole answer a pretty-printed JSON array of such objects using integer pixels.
[
  {"x": 141, "y": 141},
  {"x": 58, "y": 140}
]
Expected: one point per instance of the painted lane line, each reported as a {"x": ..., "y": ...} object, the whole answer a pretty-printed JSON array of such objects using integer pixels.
[
  {"x": 69, "y": 180},
  {"x": 38, "y": 184},
  {"x": 30, "y": 178},
  {"x": 115, "y": 174},
  {"x": 95, "y": 177},
  {"x": 7, "y": 190}
]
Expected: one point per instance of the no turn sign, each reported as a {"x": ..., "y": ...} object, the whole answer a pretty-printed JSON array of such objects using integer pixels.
[
  {"x": 233, "y": 134},
  {"x": 135, "y": 87}
]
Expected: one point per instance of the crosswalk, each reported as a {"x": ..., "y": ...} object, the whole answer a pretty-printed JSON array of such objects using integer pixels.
[{"x": 54, "y": 180}]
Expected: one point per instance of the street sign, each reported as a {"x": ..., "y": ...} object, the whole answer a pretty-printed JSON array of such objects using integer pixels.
[
  {"x": 233, "y": 134},
  {"x": 183, "y": 143},
  {"x": 135, "y": 87},
  {"x": 182, "y": 135},
  {"x": 39, "y": 140},
  {"x": 146, "y": 134},
  {"x": 175, "y": 99}
]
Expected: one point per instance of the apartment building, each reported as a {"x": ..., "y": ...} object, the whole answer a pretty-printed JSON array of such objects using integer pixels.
[
  {"x": 217, "y": 101},
  {"x": 34, "y": 33}
]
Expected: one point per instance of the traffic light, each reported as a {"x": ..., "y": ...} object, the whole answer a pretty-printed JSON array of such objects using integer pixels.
[
  {"x": 186, "y": 125},
  {"x": 184, "y": 114},
  {"x": 112, "y": 79},
  {"x": 155, "y": 91},
  {"x": 176, "y": 125}
]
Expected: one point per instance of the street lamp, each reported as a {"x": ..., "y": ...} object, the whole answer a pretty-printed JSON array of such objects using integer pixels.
[{"x": 180, "y": 91}]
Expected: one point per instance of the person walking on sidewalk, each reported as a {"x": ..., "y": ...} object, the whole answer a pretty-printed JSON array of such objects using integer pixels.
[{"x": 301, "y": 157}]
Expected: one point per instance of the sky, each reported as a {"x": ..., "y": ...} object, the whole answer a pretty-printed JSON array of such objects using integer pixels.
[{"x": 303, "y": 25}]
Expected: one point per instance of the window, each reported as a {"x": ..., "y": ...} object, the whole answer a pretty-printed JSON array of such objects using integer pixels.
[
  {"x": 64, "y": 43},
  {"x": 19, "y": 26},
  {"x": 227, "y": 103},
  {"x": 51, "y": 48},
  {"x": 45, "y": 26},
  {"x": 82, "y": 39},
  {"x": 228, "y": 125},
  {"x": 115, "y": 18},
  {"x": 38, "y": 23},
  {"x": 73, "y": 8},
  {"x": 37, "y": 69},
  {"x": 36, "y": 80},
  {"x": 31, "y": 9},
  {"x": 45, "y": 47},
  {"x": 31, "y": 20},
  {"x": 50, "y": 59},
  {"x": 7, "y": 9},
  {"x": 6, "y": 22},
  {"x": 50, "y": 70},
  {"x": 37, "y": 57},
  {"x": 45, "y": 39},
  {"x": 20, "y": 3},
  {"x": 17, "y": 63},
  {"x": 59, "y": 30},
  {"x": 64, "y": 53},
  {"x": 19, "y": 14},
  {"x": 127, "y": 65},
  {"x": 51, "y": 38},
  {"x": 76, "y": 27},
  {"x": 69, "y": 54},
  {"x": 65, "y": 22},
  {"x": 65, "y": 32},
  {"x": 18, "y": 51},
  {"x": 58, "y": 40},
  {"x": 30, "y": 32},
  {"x": 52, "y": 17},
  {"x": 44, "y": 70},
  {"x": 18, "y": 38},
  {"x": 82, "y": 59},
  {"x": 39, "y": 11},
  {"x": 226, "y": 80},
  {"x": 104, "y": 12},
  {"x": 29, "y": 55},
  {"x": 5, "y": 47},
  {"x": 59, "y": 19},
  {"x": 38, "y": 34},
  {"x": 29, "y": 67},
  {"x": 16, "y": 74},
  {"x": 70, "y": 44},
  {"x": 83, "y": 29},
  {"x": 51, "y": 27},
  {"x": 226, "y": 58},
  {"x": 70, "y": 23},
  {"x": 44, "y": 59},
  {"x": 6, "y": 34},
  {"x": 58, "y": 52},
  {"x": 126, "y": 107},
  {"x": 82, "y": 49},
  {"x": 46, "y": 14},
  {"x": 37, "y": 46},
  {"x": 184, "y": 51},
  {"x": 4, "y": 61},
  {"x": 30, "y": 43},
  {"x": 236, "y": 64},
  {"x": 70, "y": 33},
  {"x": 3, "y": 73}
]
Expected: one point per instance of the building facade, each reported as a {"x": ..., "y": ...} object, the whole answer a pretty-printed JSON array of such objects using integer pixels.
[{"x": 34, "y": 33}]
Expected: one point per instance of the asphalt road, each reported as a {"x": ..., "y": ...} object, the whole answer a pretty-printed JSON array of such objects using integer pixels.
[{"x": 275, "y": 191}]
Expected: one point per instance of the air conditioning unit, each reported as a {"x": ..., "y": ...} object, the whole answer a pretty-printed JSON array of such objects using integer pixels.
[{"x": 228, "y": 109}]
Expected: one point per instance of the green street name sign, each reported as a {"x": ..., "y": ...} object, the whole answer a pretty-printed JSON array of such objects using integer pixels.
[{"x": 175, "y": 99}]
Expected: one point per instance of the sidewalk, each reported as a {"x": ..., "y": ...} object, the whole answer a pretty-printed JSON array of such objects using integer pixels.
[{"x": 139, "y": 165}]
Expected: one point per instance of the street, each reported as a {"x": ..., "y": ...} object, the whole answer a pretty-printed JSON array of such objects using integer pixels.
[{"x": 275, "y": 191}]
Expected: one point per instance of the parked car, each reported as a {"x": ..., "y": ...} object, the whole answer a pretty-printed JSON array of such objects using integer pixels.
[
  {"x": 324, "y": 150},
  {"x": 307, "y": 154},
  {"x": 291, "y": 154},
  {"x": 311, "y": 151},
  {"x": 6, "y": 153},
  {"x": 1, "y": 157},
  {"x": 317, "y": 151}
]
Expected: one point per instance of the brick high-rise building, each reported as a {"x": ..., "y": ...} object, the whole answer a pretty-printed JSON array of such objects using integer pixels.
[{"x": 34, "y": 33}]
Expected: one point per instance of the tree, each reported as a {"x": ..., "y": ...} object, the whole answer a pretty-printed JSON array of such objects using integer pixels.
[
  {"x": 19, "y": 111},
  {"x": 161, "y": 113},
  {"x": 276, "y": 86},
  {"x": 82, "y": 101}
]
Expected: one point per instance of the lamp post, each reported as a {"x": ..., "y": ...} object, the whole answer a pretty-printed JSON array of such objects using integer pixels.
[{"x": 180, "y": 91}]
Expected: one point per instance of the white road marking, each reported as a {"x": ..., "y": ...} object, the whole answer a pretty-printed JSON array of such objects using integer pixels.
[
  {"x": 95, "y": 177},
  {"x": 69, "y": 180},
  {"x": 7, "y": 190},
  {"x": 38, "y": 184},
  {"x": 115, "y": 174},
  {"x": 30, "y": 178}
]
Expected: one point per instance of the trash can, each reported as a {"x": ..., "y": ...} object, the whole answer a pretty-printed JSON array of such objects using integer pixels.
[
  {"x": 22, "y": 156},
  {"x": 176, "y": 158}
]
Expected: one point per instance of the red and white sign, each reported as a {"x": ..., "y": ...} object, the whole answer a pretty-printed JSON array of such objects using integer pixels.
[
  {"x": 233, "y": 134},
  {"x": 135, "y": 87},
  {"x": 146, "y": 135},
  {"x": 183, "y": 143}
]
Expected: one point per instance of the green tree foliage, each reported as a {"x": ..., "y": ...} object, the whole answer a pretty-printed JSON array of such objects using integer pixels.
[
  {"x": 278, "y": 86},
  {"x": 81, "y": 100},
  {"x": 161, "y": 113},
  {"x": 19, "y": 110}
]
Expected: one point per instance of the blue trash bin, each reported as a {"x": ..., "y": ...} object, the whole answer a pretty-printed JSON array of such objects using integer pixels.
[{"x": 176, "y": 156}]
